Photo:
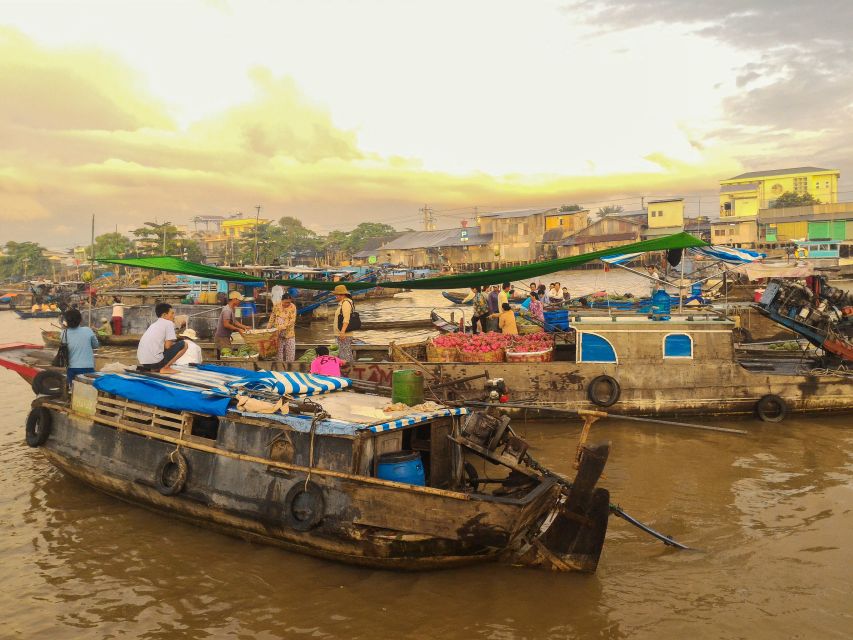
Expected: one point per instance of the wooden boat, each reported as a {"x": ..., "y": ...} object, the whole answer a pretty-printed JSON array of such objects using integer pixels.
[
  {"x": 637, "y": 366},
  {"x": 441, "y": 324},
  {"x": 33, "y": 363},
  {"x": 457, "y": 297},
  {"x": 417, "y": 323},
  {"x": 312, "y": 481},
  {"x": 51, "y": 338},
  {"x": 27, "y": 315}
]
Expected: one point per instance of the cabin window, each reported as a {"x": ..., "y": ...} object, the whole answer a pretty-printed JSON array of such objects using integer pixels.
[
  {"x": 594, "y": 348},
  {"x": 677, "y": 345}
]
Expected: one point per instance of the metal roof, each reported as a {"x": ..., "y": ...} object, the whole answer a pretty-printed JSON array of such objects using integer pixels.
[
  {"x": 734, "y": 188},
  {"x": 437, "y": 239},
  {"x": 519, "y": 213},
  {"x": 665, "y": 200},
  {"x": 778, "y": 172}
]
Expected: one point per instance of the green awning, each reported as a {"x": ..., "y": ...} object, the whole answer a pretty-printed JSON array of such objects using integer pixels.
[{"x": 681, "y": 240}]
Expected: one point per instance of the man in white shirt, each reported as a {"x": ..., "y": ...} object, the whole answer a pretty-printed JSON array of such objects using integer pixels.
[
  {"x": 159, "y": 347},
  {"x": 193, "y": 353}
]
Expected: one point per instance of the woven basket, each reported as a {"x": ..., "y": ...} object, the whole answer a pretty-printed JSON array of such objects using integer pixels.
[
  {"x": 489, "y": 356},
  {"x": 405, "y": 352},
  {"x": 530, "y": 356},
  {"x": 265, "y": 342},
  {"x": 525, "y": 329},
  {"x": 441, "y": 354}
]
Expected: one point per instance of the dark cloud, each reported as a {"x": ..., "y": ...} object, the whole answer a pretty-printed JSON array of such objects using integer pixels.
[{"x": 800, "y": 81}]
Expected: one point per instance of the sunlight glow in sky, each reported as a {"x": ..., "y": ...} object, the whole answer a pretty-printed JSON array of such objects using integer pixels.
[{"x": 338, "y": 111}]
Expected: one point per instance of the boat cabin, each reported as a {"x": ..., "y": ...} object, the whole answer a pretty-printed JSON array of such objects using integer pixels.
[{"x": 620, "y": 339}]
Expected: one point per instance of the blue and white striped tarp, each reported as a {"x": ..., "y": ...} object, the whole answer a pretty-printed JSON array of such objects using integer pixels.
[
  {"x": 344, "y": 428},
  {"x": 729, "y": 255},
  {"x": 280, "y": 382},
  {"x": 417, "y": 418}
]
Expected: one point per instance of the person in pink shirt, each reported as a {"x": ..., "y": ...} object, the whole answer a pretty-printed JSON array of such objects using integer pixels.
[{"x": 326, "y": 365}]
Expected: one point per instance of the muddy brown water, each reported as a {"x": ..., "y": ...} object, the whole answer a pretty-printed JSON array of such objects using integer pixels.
[{"x": 770, "y": 515}]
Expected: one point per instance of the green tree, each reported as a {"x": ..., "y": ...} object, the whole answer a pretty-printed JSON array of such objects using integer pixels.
[
  {"x": 111, "y": 245},
  {"x": 152, "y": 236},
  {"x": 611, "y": 208},
  {"x": 567, "y": 208},
  {"x": 789, "y": 199},
  {"x": 359, "y": 236},
  {"x": 23, "y": 260}
]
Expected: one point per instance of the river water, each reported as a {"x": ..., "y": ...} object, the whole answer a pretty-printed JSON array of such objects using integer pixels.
[{"x": 769, "y": 514}]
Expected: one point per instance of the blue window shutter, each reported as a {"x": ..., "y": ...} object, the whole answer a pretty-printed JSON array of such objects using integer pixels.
[
  {"x": 596, "y": 349},
  {"x": 678, "y": 345}
]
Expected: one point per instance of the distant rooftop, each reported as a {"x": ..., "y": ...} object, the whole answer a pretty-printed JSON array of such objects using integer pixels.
[
  {"x": 778, "y": 172},
  {"x": 735, "y": 188},
  {"x": 662, "y": 200},
  {"x": 438, "y": 239},
  {"x": 518, "y": 213}
]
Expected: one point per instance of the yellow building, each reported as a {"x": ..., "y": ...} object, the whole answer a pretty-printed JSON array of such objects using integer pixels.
[
  {"x": 735, "y": 232},
  {"x": 745, "y": 194},
  {"x": 240, "y": 227},
  {"x": 568, "y": 221},
  {"x": 665, "y": 217}
]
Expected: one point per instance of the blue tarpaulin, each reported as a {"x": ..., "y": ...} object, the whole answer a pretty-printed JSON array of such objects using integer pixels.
[{"x": 164, "y": 394}]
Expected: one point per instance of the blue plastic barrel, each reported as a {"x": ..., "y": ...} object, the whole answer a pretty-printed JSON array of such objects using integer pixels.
[
  {"x": 661, "y": 305},
  {"x": 696, "y": 289},
  {"x": 402, "y": 466}
]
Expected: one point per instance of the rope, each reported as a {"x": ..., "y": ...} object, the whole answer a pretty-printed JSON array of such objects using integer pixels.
[{"x": 322, "y": 415}]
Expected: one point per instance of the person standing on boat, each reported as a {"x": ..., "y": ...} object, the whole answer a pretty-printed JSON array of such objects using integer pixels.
[
  {"x": 193, "y": 354},
  {"x": 117, "y": 316},
  {"x": 481, "y": 310},
  {"x": 342, "y": 320},
  {"x": 159, "y": 347},
  {"x": 81, "y": 342},
  {"x": 503, "y": 296},
  {"x": 536, "y": 309},
  {"x": 283, "y": 319},
  {"x": 494, "y": 307},
  {"x": 228, "y": 323}
]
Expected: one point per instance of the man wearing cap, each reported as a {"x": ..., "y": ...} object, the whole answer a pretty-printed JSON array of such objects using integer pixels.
[
  {"x": 228, "y": 324},
  {"x": 193, "y": 353},
  {"x": 342, "y": 321}
]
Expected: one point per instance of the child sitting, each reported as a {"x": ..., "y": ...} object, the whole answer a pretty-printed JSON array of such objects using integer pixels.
[{"x": 326, "y": 365}]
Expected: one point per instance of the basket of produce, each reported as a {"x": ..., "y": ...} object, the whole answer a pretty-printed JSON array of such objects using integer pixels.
[
  {"x": 239, "y": 352},
  {"x": 407, "y": 351},
  {"x": 485, "y": 347},
  {"x": 445, "y": 348},
  {"x": 536, "y": 347},
  {"x": 263, "y": 341}
]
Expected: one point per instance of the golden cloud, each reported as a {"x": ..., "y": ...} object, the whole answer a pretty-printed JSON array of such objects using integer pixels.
[{"x": 80, "y": 135}]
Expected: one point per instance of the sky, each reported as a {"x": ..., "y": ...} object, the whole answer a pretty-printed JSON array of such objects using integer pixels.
[{"x": 338, "y": 112}]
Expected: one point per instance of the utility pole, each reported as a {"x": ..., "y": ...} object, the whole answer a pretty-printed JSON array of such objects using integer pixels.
[
  {"x": 257, "y": 218},
  {"x": 429, "y": 219}
]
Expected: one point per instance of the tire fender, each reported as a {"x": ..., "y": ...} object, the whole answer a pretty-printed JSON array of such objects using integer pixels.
[
  {"x": 771, "y": 408},
  {"x": 38, "y": 426},
  {"x": 304, "y": 506},
  {"x": 169, "y": 484},
  {"x": 48, "y": 383},
  {"x": 600, "y": 399}
]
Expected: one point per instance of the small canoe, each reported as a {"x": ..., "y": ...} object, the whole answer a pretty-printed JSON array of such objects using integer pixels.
[
  {"x": 27, "y": 315},
  {"x": 418, "y": 323},
  {"x": 51, "y": 339},
  {"x": 443, "y": 325}
]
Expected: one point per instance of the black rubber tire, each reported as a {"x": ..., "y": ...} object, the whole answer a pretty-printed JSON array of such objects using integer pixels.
[
  {"x": 771, "y": 408},
  {"x": 39, "y": 422},
  {"x": 48, "y": 383},
  {"x": 171, "y": 486},
  {"x": 599, "y": 400},
  {"x": 304, "y": 506}
]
